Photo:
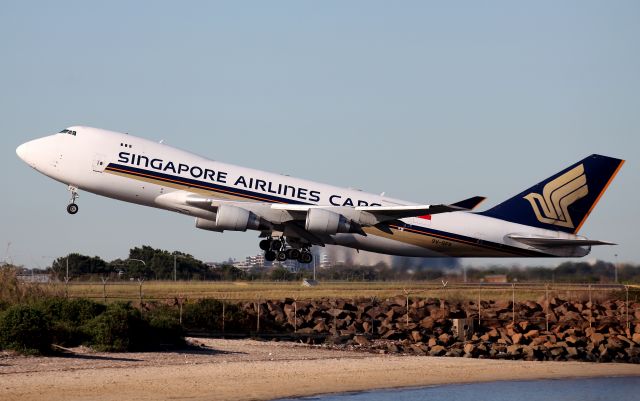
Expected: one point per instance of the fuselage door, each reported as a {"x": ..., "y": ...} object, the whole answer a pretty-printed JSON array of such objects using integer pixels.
[{"x": 99, "y": 163}]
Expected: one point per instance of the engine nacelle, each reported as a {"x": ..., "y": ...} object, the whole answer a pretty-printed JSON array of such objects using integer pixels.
[
  {"x": 230, "y": 218},
  {"x": 321, "y": 221},
  {"x": 235, "y": 218},
  {"x": 205, "y": 224}
]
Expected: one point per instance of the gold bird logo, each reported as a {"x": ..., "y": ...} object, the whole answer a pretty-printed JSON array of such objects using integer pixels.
[{"x": 551, "y": 207}]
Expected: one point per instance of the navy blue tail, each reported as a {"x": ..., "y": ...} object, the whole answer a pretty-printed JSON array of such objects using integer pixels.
[{"x": 563, "y": 201}]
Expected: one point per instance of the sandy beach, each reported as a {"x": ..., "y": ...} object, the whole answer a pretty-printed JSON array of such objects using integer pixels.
[{"x": 254, "y": 370}]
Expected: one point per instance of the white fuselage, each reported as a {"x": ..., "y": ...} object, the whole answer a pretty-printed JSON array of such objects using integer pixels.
[{"x": 141, "y": 171}]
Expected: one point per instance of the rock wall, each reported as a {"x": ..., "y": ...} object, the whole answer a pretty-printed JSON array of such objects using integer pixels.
[{"x": 553, "y": 330}]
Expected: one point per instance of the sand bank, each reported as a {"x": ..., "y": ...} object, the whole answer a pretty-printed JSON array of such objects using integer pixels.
[{"x": 253, "y": 370}]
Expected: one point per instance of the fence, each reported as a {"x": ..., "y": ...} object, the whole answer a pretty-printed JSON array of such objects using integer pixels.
[{"x": 488, "y": 304}]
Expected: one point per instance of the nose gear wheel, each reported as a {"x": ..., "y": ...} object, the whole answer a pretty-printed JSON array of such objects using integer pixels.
[{"x": 72, "y": 208}]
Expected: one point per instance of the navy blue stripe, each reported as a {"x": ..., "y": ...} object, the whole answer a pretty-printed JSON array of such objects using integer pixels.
[
  {"x": 203, "y": 184},
  {"x": 276, "y": 199},
  {"x": 470, "y": 240}
]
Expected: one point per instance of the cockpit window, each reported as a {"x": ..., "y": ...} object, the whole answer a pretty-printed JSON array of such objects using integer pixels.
[{"x": 68, "y": 131}]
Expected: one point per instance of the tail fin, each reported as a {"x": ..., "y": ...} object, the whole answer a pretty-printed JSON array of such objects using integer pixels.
[{"x": 563, "y": 201}]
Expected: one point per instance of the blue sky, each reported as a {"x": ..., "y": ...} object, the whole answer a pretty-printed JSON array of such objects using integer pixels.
[{"x": 429, "y": 102}]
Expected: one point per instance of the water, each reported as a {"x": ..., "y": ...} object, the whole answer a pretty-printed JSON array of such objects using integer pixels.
[{"x": 599, "y": 389}]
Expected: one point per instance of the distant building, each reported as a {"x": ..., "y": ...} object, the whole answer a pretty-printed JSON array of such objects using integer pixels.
[
  {"x": 292, "y": 265},
  {"x": 325, "y": 261},
  {"x": 34, "y": 278},
  {"x": 252, "y": 262}
]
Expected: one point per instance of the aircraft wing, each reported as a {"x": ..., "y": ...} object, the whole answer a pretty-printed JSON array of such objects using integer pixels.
[
  {"x": 364, "y": 215},
  {"x": 381, "y": 213},
  {"x": 293, "y": 219}
]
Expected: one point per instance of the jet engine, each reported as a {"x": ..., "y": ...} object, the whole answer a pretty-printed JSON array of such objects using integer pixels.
[
  {"x": 205, "y": 224},
  {"x": 230, "y": 218},
  {"x": 321, "y": 221}
]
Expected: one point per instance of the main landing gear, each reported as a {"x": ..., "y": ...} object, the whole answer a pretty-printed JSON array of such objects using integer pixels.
[
  {"x": 276, "y": 249},
  {"x": 72, "y": 208}
]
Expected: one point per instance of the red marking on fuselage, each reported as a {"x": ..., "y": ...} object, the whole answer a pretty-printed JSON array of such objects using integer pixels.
[{"x": 426, "y": 217}]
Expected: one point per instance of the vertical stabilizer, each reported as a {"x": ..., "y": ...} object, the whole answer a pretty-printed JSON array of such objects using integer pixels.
[{"x": 563, "y": 201}]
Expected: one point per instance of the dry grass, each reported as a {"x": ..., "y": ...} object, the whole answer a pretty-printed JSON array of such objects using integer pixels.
[
  {"x": 13, "y": 291},
  {"x": 162, "y": 290}
]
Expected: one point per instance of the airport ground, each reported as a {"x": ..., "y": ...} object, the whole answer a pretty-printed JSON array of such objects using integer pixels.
[
  {"x": 221, "y": 369},
  {"x": 268, "y": 290}
]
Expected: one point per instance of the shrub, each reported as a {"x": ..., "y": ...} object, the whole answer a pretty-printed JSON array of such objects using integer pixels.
[
  {"x": 206, "y": 314},
  {"x": 67, "y": 317},
  {"x": 122, "y": 328},
  {"x": 164, "y": 327},
  {"x": 67, "y": 334},
  {"x": 26, "y": 329},
  {"x": 75, "y": 311},
  {"x": 119, "y": 328},
  {"x": 31, "y": 328},
  {"x": 165, "y": 331}
]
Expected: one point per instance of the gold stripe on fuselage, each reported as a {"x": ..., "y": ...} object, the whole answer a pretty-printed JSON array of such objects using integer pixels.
[{"x": 447, "y": 246}]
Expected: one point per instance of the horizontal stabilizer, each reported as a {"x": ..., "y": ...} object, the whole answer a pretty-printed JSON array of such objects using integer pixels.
[
  {"x": 470, "y": 203},
  {"x": 552, "y": 242}
]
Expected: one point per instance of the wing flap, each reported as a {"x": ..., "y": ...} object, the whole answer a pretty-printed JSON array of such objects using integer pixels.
[{"x": 385, "y": 213}]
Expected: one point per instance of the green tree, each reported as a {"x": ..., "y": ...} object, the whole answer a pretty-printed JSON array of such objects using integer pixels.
[
  {"x": 281, "y": 274},
  {"x": 80, "y": 266},
  {"x": 159, "y": 264}
]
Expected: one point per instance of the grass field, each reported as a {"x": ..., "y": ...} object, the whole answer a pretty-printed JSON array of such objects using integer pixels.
[{"x": 163, "y": 290}]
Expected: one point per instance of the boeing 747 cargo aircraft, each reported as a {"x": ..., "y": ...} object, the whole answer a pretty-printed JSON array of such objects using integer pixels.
[{"x": 292, "y": 215}]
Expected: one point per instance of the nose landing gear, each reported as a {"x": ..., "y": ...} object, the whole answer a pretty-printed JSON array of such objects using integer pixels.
[{"x": 72, "y": 208}]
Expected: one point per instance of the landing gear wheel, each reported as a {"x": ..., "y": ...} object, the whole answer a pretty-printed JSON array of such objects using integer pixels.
[
  {"x": 264, "y": 244},
  {"x": 282, "y": 256},
  {"x": 293, "y": 254},
  {"x": 270, "y": 256},
  {"x": 305, "y": 257},
  {"x": 72, "y": 208},
  {"x": 276, "y": 245}
]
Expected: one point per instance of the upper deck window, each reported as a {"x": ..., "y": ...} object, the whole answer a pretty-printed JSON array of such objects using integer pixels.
[{"x": 68, "y": 131}]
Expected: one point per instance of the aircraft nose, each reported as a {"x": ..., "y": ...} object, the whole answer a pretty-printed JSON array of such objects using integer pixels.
[
  {"x": 21, "y": 151},
  {"x": 26, "y": 152}
]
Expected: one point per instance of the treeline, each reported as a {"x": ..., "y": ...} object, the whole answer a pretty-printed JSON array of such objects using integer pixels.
[
  {"x": 142, "y": 263},
  {"x": 576, "y": 272},
  {"x": 156, "y": 264},
  {"x": 584, "y": 272}
]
